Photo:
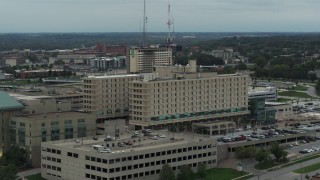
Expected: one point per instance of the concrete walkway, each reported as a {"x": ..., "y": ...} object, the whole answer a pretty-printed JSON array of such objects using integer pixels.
[
  {"x": 285, "y": 173},
  {"x": 312, "y": 92},
  {"x": 26, "y": 173}
]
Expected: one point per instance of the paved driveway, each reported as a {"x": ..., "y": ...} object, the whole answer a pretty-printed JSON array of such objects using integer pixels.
[{"x": 285, "y": 173}]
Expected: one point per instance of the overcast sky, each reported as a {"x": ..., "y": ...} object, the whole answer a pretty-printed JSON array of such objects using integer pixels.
[{"x": 189, "y": 15}]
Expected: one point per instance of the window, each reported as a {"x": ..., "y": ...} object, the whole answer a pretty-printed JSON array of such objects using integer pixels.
[
  {"x": 55, "y": 134},
  {"x": 22, "y": 136},
  {"x": 82, "y": 131},
  {"x": 55, "y": 123},
  {"x": 43, "y": 136},
  {"x": 68, "y": 132},
  {"x": 13, "y": 135}
]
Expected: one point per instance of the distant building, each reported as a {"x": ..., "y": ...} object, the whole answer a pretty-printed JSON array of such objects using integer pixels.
[
  {"x": 270, "y": 94},
  {"x": 142, "y": 60},
  {"x": 112, "y": 50},
  {"x": 226, "y": 54},
  {"x": 13, "y": 61},
  {"x": 284, "y": 111},
  {"x": 72, "y": 58},
  {"x": 107, "y": 63},
  {"x": 36, "y": 73}
]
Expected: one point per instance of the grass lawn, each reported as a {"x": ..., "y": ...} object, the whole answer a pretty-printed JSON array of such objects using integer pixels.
[
  {"x": 301, "y": 160},
  {"x": 223, "y": 174},
  {"x": 300, "y": 88},
  {"x": 308, "y": 169},
  {"x": 35, "y": 177},
  {"x": 266, "y": 165},
  {"x": 294, "y": 94}
]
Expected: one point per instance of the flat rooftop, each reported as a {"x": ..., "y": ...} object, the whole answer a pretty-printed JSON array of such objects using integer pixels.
[
  {"x": 114, "y": 76},
  {"x": 145, "y": 142},
  {"x": 194, "y": 76}
]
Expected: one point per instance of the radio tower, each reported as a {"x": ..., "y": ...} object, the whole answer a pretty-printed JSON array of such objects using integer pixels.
[
  {"x": 170, "y": 23},
  {"x": 145, "y": 19}
]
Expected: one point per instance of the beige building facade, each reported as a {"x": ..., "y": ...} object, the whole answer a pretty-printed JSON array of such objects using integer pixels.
[
  {"x": 28, "y": 131},
  {"x": 284, "y": 111},
  {"x": 142, "y": 60},
  {"x": 107, "y": 96},
  {"x": 86, "y": 160},
  {"x": 190, "y": 98}
]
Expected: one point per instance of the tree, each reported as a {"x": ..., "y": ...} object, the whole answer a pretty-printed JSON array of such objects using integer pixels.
[
  {"x": 15, "y": 156},
  {"x": 185, "y": 173},
  {"x": 279, "y": 153},
  {"x": 8, "y": 172},
  {"x": 245, "y": 152},
  {"x": 166, "y": 173},
  {"x": 201, "y": 170},
  {"x": 262, "y": 156}
]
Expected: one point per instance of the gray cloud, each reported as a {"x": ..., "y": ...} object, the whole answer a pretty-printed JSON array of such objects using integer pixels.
[{"x": 126, "y": 15}]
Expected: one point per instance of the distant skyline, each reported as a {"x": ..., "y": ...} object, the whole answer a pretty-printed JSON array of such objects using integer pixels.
[{"x": 189, "y": 15}]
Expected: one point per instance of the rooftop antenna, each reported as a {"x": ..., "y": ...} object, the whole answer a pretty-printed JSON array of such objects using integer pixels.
[
  {"x": 145, "y": 20},
  {"x": 169, "y": 23}
]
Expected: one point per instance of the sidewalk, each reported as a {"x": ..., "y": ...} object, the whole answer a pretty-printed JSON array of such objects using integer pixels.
[{"x": 26, "y": 173}]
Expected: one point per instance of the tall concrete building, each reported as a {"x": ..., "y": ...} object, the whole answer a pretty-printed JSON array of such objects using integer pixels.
[
  {"x": 9, "y": 107},
  {"x": 142, "y": 60},
  {"x": 188, "y": 98},
  {"x": 28, "y": 131},
  {"x": 107, "y": 96}
]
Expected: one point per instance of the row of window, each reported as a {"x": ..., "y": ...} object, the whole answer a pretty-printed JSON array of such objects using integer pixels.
[
  {"x": 75, "y": 155},
  {"x": 55, "y": 168},
  {"x": 54, "y": 151},
  {"x": 148, "y": 164},
  {"x": 156, "y": 154},
  {"x": 142, "y": 174},
  {"x": 53, "y": 159}
]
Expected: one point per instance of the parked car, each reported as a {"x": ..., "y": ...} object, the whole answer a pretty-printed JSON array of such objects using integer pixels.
[
  {"x": 105, "y": 150},
  {"x": 154, "y": 137},
  {"x": 162, "y": 136}
]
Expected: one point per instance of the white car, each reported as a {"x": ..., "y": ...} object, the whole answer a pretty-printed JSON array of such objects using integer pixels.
[
  {"x": 162, "y": 136},
  {"x": 105, "y": 150},
  {"x": 154, "y": 137},
  {"x": 136, "y": 133},
  {"x": 310, "y": 150}
]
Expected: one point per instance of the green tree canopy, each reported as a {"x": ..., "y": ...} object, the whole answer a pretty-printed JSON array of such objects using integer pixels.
[
  {"x": 8, "y": 172},
  {"x": 166, "y": 173},
  {"x": 262, "y": 156},
  {"x": 185, "y": 173},
  {"x": 279, "y": 153},
  {"x": 201, "y": 170}
]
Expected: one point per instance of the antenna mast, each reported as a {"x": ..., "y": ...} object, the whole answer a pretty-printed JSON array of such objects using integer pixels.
[
  {"x": 169, "y": 23},
  {"x": 144, "y": 24}
]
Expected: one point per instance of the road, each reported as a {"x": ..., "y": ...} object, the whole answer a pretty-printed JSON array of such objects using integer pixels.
[
  {"x": 285, "y": 173},
  {"x": 312, "y": 92}
]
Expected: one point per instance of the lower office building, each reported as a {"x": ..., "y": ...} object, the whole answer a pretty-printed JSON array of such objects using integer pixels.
[
  {"x": 87, "y": 159},
  {"x": 28, "y": 131}
]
